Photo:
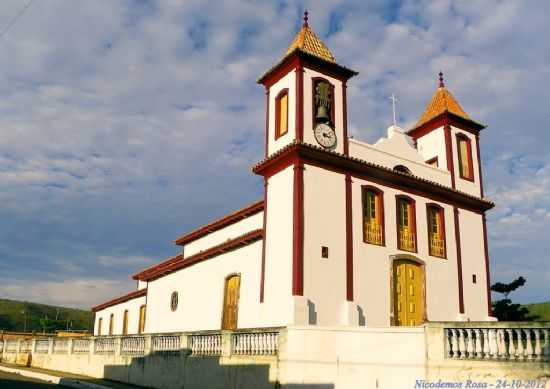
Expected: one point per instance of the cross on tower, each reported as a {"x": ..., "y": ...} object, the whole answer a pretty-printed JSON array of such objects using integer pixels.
[{"x": 393, "y": 100}]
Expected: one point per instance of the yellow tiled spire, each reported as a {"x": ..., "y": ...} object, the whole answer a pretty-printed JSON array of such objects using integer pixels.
[
  {"x": 308, "y": 42},
  {"x": 442, "y": 101}
]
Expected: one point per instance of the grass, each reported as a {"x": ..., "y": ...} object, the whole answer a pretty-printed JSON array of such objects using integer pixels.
[
  {"x": 540, "y": 309},
  {"x": 13, "y": 313}
]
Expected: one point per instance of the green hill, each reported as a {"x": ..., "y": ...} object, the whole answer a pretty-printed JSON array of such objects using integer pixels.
[
  {"x": 13, "y": 315},
  {"x": 540, "y": 309}
]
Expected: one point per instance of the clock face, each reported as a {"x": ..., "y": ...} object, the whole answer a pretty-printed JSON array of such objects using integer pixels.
[{"x": 325, "y": 135}]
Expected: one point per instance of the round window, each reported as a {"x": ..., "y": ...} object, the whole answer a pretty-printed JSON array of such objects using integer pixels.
[{"x": 174, "y": 301}]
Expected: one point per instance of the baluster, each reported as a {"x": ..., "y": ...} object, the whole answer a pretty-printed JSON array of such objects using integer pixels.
[
  {"x": 529, "y": 345},
  {"x": 461, "y": 344},
  {"x": 454, "y": 343},
  {"x": 546, "y": 353},
  {"x": 501, "y": 345},
  {"x": 479, "y": 348},
  {"x": 493, "y": 343},
  {"x": 519, "y": 350},
  {"x": 470, "y": 344},
  {"x": 486, "y": 349},
  {"x": 448, "y": 343},
  {"x": 511, "y": 348}
]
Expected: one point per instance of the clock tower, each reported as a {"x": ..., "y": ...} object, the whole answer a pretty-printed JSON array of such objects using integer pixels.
[{"x": 305, "y": 113}]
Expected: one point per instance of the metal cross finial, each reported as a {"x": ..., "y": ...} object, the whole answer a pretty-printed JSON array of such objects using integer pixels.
[
  {"x": 306, "y": 18},
  {"x": 441, "y": 83},
  {"x": 393, "y": 100}
]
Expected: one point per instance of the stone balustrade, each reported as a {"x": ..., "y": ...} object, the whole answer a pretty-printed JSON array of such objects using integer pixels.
[
  {"x": 132, "y": 345},
  {"x": 499, "y": 344},
  {"x": 255, "y": 343},
  {"x": 166, "y": 343}
]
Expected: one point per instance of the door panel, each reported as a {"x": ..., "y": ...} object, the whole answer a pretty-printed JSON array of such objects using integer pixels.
[
  {"x": 408, "y": 293},
  {"x": 231, "y": 302}
]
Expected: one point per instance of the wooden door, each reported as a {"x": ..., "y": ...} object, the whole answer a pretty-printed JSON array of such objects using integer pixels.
[
  {"x": 125, "y": 323},
  {"x": 408, "y": 293},
  {"x": 141, "y": 324},
  {"x": 231, "y": 302}
]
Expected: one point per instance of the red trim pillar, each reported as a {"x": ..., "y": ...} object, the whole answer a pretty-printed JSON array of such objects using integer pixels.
[
  {"x": 298, "y": 231},
  {"x": 345, "y": 117},
  {"x": 479, "y": 166},
  {"x": 262, "y": 280},
  {"x": 459, "y": 262},
  {"x": 449, "y": 152},
  {"x": 349, "y": 241},
  {"x": 266, "y": 121},
  {"x": 300, "y": 102},
  {"x": 487, "y": 270}
]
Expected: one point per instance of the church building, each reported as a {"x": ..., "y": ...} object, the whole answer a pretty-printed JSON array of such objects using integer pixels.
[{"x": 347, "y": 233}]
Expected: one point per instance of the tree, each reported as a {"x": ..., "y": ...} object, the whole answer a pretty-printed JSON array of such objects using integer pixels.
[{"x": 503, "y": 309}]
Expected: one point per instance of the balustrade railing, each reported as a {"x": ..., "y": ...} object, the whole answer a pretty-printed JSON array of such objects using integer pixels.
[
  {"x": 255, "y": 343},
  {"x": 132, "y": 345},
  {"x": 165, "y": 343},
  {"x": 373, "y": 233},
  {"x": 11, "y": 346},
  {"x": 42, "y": 346},
  {"x": 1, "y": 346},
  {"x": 81, "y": 345},
  {"x": 508, "y": 344},
  {"x": 210, "y": 344},
  {"x": 25, "y": 346},
  {"x": 61, "y": 346},
  {"x": 437, "y": 246},
  {"x": 407, "y": 239},
  {"x": 105, "y": 345}
]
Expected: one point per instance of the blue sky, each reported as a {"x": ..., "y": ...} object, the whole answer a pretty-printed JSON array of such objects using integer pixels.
[{"x": 124, "y": 124}]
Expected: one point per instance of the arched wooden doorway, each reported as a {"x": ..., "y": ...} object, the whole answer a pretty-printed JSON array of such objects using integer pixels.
[
  {"x": 408, "y": 292},
  {"x": 231, "y": 302}
]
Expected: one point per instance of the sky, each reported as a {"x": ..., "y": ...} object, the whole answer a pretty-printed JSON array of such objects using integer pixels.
[{"x": 124, "y": 124}]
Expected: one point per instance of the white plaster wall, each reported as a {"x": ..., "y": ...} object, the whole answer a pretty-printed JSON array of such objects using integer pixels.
[
  {"x": 118, "y": 310},
  {"x": 201, "y": 291},
  {"x": 371, "y": 154},
  {"x": 433, "y": 145},
  {"x": 141, "y": 284},
  {"x": 473, "y": 262},
  {"x": 308, "y": 106},
  {"x": 232, "y": 231},
  {"x": 288, "y": 81},
  {"x": 325, "y": 225},
  {"x": 277, "y": 308},
  {"x": 463, "y": 185},
  {"x": 372, "y": 263}
]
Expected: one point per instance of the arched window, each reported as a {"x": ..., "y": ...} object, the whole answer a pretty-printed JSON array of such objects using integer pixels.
[
  {"x": 402, "y": 169},
  {"x": 373, "y": 215},
  {"x": 141, "y": 324},
  {"x": 406, "y": 223},
  {"x": 436, "y": 230},
  {"x": 111, "y": 323},
  {"x": 465, "y": 165},
  {"x": 125, "y": 323},
  {"x": 281, "y": 113},
  {"x": 99, "y": 325}
]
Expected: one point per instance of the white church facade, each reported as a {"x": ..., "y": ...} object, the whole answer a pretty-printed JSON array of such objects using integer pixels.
[{"x": 346, "y": 234}]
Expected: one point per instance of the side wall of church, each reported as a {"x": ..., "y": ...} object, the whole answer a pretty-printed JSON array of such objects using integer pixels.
[
  {"x": 118, "y": 311},
  {"x": 324, "y": 225},
  {"x": 277, "y": 308},
  {"x": 473, "y": 263},
  {"x": 309, "y": 136},
  {"x": 373, "y": 264},
  {"x": 200, "y": 291},
  {"x": 251, "y": 223}
]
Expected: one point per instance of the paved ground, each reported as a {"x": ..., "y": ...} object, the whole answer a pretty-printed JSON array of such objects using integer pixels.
[{"x": 15, "y": 381}]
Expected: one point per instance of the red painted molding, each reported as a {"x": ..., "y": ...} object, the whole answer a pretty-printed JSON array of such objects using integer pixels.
[
  {"x": 234, "y": 217},
  {"x": 446, "y": 118},
  {"x": 345, "y": 114},
  {"x": 349, "y": 240},
  {"x": 362, "y": 169},
  {"x": 463, "y": 137},
  {"x": 310, "y": 61},
  {"x": 300, "y": 102},
  {"x": 122, "y": 299},
  {"x": 266, "y": 121},
  {"x": 479, "y": 167},
  {"x": 278, "y": 98},
  {"x": 380, "y": 193},
  {"x": 459, "y": 262},
  {"x": 487, "y": 269},
  {"x": 229, "y": 245},
  {"x": 449, "y": 154},
  {"x": 298, "y": 231},
  {"x": 262, "y": 279},
  {"x": 412, "y": 203},
  {"x": 138, "y": 276},
  {"x": 441, "y": 212}
]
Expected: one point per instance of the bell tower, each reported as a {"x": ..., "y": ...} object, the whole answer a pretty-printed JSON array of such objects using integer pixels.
[
  {"x": 305, "y": 112},
  {"x": 306, "y": 96}
]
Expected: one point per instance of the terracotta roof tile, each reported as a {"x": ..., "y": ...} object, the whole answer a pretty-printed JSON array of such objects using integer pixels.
[
  {"x": 441, "y": 101},
  {"x": 307, "y": 41}
]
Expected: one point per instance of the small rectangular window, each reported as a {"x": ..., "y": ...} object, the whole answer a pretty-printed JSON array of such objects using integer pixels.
[
  {"x": 465, "y": 157},
  {"x": 324, "y": 252},
  {"x": 474, "y": 279},
  {"x": 281, "y": 114}
]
